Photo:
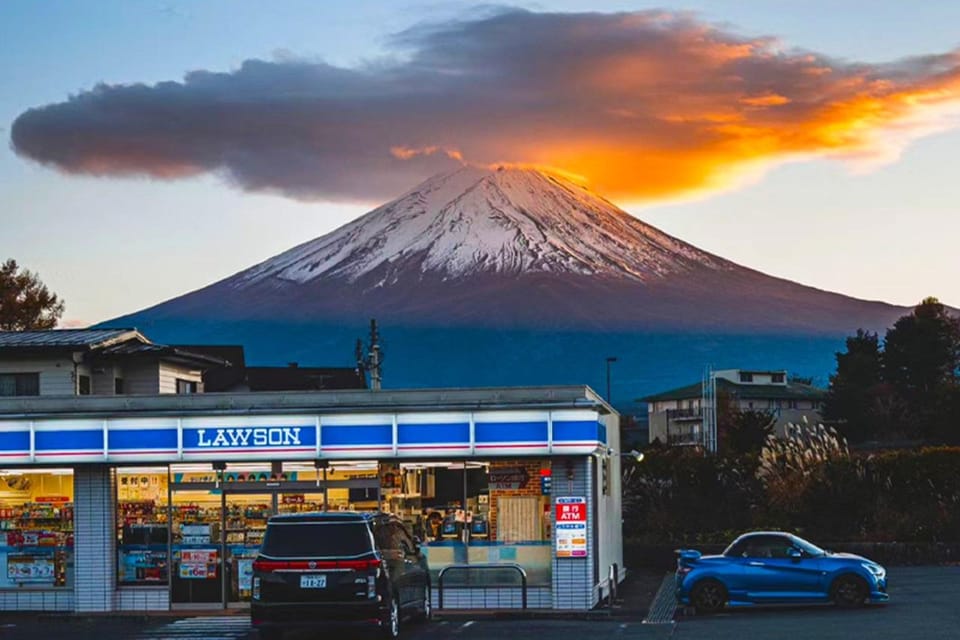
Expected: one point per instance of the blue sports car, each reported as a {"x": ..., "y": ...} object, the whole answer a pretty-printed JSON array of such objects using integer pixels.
[{"x": 773, "y": 567}]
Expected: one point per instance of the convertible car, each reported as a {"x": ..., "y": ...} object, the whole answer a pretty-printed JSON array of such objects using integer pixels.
[{"x": 773, "y": 567}]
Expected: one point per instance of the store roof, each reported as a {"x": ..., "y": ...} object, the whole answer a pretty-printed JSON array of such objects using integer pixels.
[{"x": 288, "y": 402}]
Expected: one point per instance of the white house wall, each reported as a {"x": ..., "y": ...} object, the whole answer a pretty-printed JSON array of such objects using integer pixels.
[
  {"x": 141, "y": 378},
  {"x": 170, "y": 373},
  {"x": 103, "y": 383},
  {"x": 56, "y": 374}
]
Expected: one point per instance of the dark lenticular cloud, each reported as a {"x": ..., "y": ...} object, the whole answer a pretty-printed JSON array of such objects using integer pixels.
[{"x": 642, "y": 106}]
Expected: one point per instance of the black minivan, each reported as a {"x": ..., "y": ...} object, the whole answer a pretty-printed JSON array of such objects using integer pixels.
[{"x": 320, "y": 570}]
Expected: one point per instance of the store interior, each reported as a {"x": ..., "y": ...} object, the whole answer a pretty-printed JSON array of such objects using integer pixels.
[
  {"x": 196, "y": 528},
  {"x": 36, "y": 525}
]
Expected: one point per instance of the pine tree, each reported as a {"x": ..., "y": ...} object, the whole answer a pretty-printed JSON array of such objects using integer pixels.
[{"x": 25, "y": 302}]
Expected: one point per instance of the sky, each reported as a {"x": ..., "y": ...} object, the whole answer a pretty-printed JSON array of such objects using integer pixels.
[{"x": 155, "y": 147}]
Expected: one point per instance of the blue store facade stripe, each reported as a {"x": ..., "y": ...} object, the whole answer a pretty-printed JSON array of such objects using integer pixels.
[
  {"x": 511, "y": 432},
  {"x": 357, "y": 435},
  {"x": 86, "y": 440},
  {"x": 14, "y": 441},
  {"x": 118, "y": 440},
  {"x": 449, "y": 433},
  {"x": 578, "y": 431}
]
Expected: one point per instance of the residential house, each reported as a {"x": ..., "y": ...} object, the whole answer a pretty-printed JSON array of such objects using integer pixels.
[
  {"x": 102, "y": 362},
  {"x": 676, "y": 416}
]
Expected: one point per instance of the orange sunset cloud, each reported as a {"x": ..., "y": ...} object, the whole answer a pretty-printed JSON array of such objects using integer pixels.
[{"x": 642, "y": 106}]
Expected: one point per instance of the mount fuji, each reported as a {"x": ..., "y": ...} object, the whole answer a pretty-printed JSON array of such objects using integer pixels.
[{"x": 516, "y": 276}]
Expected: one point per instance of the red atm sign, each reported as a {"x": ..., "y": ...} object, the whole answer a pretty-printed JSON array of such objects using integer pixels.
[{"x": 571, "y": 509}]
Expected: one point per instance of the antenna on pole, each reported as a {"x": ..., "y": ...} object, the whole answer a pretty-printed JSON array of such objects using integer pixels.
[{"x": 372, "y": 359}]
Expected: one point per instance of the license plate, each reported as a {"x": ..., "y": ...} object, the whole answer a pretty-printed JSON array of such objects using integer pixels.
[{"x": 313, "y": 582}]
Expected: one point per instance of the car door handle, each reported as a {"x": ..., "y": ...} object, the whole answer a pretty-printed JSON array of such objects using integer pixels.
[{"x": 756, "y": 564}]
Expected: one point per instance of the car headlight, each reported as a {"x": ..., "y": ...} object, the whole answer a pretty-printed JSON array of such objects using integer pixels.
[{"x": 875, "y": 569}]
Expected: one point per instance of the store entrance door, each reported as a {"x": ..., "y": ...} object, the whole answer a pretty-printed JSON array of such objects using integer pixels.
[
  {"x": 248, "y": 507},
  {"x": 218, "y": 520},
  {"x": 196, "y": 551}
]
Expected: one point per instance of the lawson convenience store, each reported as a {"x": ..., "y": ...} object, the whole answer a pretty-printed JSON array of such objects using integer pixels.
[{"x": 160, "y": 502}]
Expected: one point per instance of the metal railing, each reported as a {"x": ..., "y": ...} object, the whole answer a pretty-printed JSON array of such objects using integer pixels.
[
  {"x": 680, "y": 414},
  {"x": 482, "y": 567}
]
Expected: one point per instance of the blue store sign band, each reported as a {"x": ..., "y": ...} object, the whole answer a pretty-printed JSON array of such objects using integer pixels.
[{"x": 301, "y": 437}]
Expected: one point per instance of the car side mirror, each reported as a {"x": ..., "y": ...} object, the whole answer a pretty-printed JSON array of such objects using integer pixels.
[{"x": 794, "y": 554}]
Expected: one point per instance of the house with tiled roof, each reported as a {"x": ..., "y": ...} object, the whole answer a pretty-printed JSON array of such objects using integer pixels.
[{"x": 677, "y": 416}]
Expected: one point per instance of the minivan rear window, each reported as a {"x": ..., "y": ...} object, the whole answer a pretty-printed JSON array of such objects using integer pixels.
[{"x": 317, "y": 540}]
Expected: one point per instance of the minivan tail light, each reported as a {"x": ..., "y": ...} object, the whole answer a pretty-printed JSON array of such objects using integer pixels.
[{"x": 269, "y": 566}]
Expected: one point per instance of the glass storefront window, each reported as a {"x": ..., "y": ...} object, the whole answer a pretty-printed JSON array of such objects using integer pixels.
[
  {"x": 476, "y": 512},
  {"x": 36, "y": 528},
  {"x": 142, "y": 531}
]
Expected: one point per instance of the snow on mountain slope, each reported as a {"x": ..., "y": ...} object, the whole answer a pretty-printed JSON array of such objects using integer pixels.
[{"x": 505, "y": 221}]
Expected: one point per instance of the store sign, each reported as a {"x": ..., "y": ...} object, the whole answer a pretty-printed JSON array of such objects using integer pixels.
[
  {"x": 30, "y": 568},
  {"x": 194, "y": 534},
  {"x": 571, "y": 527},
  {"x": 248, "y": 437},
  {"x": 198, "y": 564},
  {"x": 509, "y": 478},
  {"x": 571, "y": 510},
  {"x": 545, "y": 483},
  {"x": 245, "y": 571}
]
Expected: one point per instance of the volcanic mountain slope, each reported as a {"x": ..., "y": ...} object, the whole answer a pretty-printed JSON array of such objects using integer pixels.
[{"x": 515, "y": 248}]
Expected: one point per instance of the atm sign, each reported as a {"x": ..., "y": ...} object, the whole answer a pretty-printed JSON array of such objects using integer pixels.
[{"x": 571, "y": 509}]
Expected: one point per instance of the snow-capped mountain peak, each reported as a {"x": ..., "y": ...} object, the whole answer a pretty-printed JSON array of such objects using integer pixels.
[{"x": 471, "y": 221}]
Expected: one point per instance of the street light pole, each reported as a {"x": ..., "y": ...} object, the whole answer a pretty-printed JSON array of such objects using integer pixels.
[{"x": 610, "y": 359}]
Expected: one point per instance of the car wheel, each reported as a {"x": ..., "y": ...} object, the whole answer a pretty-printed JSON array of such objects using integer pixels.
[
  {"x": 708, "y": 596},
  {"x": 426, "y": 606},
  {"x": 390, "y": 625},
  {"x": 849, "y": 592}
]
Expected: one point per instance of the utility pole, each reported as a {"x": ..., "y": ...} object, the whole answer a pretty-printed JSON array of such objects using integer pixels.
[
  {"x": 610, "y": 359},
  {"x": 375, "y": 374},
  {"x": 371, "y": 360},
  {"x": 708, "y": 410}
]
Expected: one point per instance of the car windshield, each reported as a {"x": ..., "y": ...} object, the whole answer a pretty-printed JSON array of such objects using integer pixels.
[
  {"x": 317, "y": 540},
  {"x": 808, "y": 547}
]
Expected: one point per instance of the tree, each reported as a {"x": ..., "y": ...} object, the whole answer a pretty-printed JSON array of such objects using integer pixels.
[
  {"x": 853, "y": 392},
  {"x": 921, "y": 361},
  {"x": 25, "y": 302},
  {"x": 747, "y": 432}
]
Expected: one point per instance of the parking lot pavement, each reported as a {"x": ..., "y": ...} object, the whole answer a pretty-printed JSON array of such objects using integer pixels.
[
  {"x": 238, "y": 628},
  {"x": 541, "y": 629},
  {"x": 924, "y": 603}
]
